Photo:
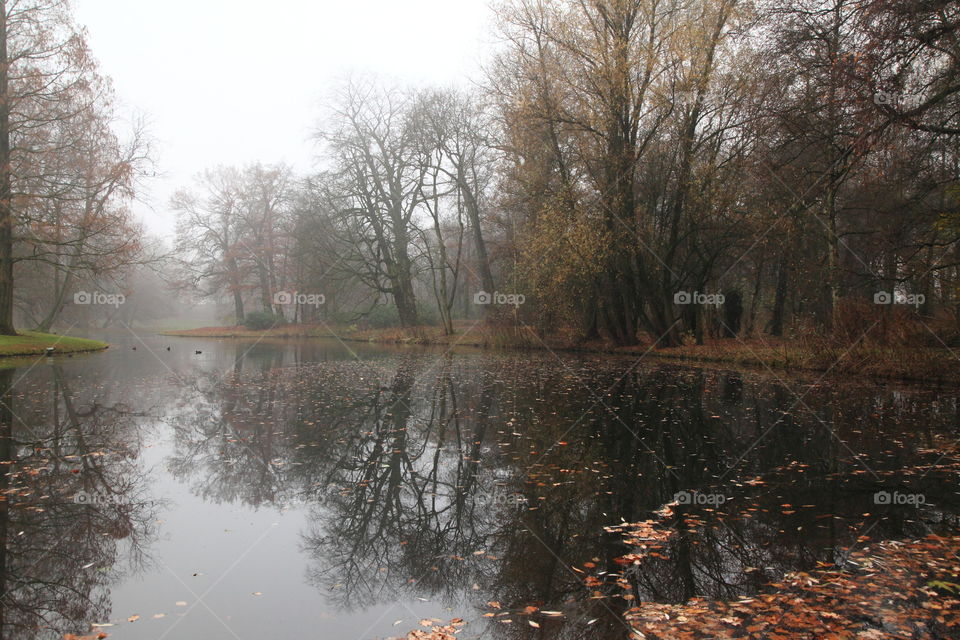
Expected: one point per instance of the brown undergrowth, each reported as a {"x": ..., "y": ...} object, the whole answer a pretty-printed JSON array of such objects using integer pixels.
[{"x": 866, "y": 358}]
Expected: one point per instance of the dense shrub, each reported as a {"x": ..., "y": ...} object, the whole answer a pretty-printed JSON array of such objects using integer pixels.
[
  {"x": 259, "y": 320},
  {"x": 385, "y": 316}
]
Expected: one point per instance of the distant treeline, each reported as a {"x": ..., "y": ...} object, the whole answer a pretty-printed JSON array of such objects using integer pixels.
[{"x": 626, "y": 169}]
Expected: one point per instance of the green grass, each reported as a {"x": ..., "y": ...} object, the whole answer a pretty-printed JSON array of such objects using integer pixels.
[{"x": 32, "y": 343}]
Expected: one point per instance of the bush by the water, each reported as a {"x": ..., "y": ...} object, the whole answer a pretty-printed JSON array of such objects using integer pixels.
[
  {"x": 384, "y": 316},
  {"x": 259, "y": 320}
]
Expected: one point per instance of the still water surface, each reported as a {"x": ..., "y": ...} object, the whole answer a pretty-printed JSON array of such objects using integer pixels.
[{"x": 317, "y": 490}]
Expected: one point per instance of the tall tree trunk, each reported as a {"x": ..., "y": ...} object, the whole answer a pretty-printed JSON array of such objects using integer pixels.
[
  {"x": 780, "y": 298},
  {"x": 238, "y": 305},
  {"x": 401, "y": 278},
  {"x": 265, "y": 293},
  {"x": 831, "y": 293},
  {"x": 618, "y": 292},
  {"x": 6, "y": 204},
  {"x": 60, "y": 293},
  {"x": 234, "y": 275},
  {"x": 406, "y": 304},
  {"x": 755, "y": 298},
  {"x": 483, "y": 260},
  {"x": 444, "y": 296},
  {"x": 698, "y": 319}
]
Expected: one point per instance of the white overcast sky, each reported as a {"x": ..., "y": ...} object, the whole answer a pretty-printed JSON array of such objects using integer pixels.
[{"x": 235, "y": 81}]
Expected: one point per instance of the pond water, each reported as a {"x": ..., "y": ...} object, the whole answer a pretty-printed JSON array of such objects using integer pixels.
[{"x": 296, "y": 489}]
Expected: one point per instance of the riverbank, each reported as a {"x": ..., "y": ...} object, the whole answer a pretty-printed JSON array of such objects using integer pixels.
[
  {"x": 34, "y": 343},
  {"x": 916, "y": 364},
  {"x": 902, "y": 590}
]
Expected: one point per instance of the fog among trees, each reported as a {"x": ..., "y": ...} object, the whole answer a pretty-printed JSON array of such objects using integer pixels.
[{"x": 792, "y": 159}]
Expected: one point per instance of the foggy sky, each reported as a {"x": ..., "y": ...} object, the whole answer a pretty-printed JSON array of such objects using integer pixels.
[{"x": 234, "y": 81}]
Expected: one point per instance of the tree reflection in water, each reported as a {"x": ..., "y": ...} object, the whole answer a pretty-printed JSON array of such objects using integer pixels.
[
  {"x": 471, "y": 479},
  {"x": 73, "y": 518}
]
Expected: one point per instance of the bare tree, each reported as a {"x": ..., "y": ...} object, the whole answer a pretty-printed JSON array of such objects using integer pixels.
[
  {"x": 373, "y": 145},
  {"x": 208, "y": 232},
  {"x": 43, "y": 60}
]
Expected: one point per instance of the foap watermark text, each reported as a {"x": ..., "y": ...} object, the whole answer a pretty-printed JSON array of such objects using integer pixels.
[
  {"x": 285, "y": 298},
  {"x": 696, "y": 297},
  {"x": 98, "y": 298},
  {"x": 699, "y": 498},
  {"x": 896, "y": 297},
  {"x": 483, "y": 297}
]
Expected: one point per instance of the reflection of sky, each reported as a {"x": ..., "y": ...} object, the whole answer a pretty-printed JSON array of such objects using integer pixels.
[
  {"x": 236, "y": 553},
  {"x": 223, "y": 538},
  {"x": 220, "y": 552}
]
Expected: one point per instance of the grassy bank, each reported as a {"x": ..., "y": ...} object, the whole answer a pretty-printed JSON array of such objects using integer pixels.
[
  {"x": 32, "y": 343},
  {"x": 895, "y": 363}
]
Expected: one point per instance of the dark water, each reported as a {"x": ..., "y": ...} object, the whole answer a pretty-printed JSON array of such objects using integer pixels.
[{"x": 315, "y": 490}]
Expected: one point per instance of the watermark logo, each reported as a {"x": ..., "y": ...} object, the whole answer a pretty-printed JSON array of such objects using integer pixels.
[
  {"x": 285, "y": 298},
  {"x": 83, "y": 497},
  {"x": 897, "y": 498},
  {"x": 499, "y": 498},
  {"x": 98, "y": 297},
  {"x": 483, "y": 297},
  {"x": 887, "y": 297},
  {"x": 695, "y": 297},
  {"x": 696, "y": 497},
  {"x": 894, "y": 99}
]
